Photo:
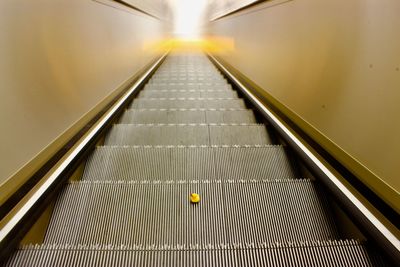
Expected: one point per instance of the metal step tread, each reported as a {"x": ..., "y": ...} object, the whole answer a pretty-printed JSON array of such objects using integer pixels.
[
  {"x": 208, "y": 78},
  {"x": 187, "y": 75},
  {"x": 186, "y": 90},
  {"x": 188, "y": 103},
  {"x": 151, "y": 87},
  {"x": 200, "y": 83},
  {"x": 346, "y": 253},
  {"x": 190, "y": 109},
  {"x": 158, "y": 213},
  {"x": 143, "y": 116},
  {"x": 188, "y": 134},
  {"x": 188, "y": 94},
  {"x": 188, "y": 163}
]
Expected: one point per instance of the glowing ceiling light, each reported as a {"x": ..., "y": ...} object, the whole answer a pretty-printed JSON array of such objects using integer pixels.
[{"x": 188, "y": 17}]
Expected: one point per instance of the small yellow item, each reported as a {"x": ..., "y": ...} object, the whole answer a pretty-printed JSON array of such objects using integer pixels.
[{"x": 194, "y": 198}]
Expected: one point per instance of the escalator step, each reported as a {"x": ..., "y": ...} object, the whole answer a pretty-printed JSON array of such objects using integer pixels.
[
  {"x": 157, "y": 214},
  {"x": 188, "y": 94},
  {"x": 202, "y": 83},
  {"x": 170, "y": 103},
  {"x": 346, "y": 253},
  {"x": 184, "y": 134},
  {"x": 188, "y": 163},
  {"x": 184, "y": 75},
  {"x": 189, "y": 79},
  {"x": 150, "y": 87},
  {"x": 143, "y": 116}
]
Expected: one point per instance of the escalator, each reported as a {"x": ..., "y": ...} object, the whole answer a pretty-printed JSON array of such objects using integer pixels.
[{"x": 189, "y": 131}]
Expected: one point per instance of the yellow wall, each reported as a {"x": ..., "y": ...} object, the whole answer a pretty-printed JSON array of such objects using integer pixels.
[
  {"x": 58, "y": 60},
  {"x": 335, "y": 65}
]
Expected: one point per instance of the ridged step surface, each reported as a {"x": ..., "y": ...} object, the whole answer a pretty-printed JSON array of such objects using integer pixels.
[
  {"x": 203, "y": 83},
  {"x": 171, "y": 103},
  {"x": 159, "y": 214},
  {"x": 179, "y": 116},
  {"x": 188, "y": 94},
  {"x": 189, "y": 132},
  {"x": 347, "y": 253},
  {"x": 158, "y": 87},
  {"x": 198, "y": 79},
  {"x": 181, "y": 134},
  {"x": 188, "y": 163},
  {"x": 187, "y": 75}
]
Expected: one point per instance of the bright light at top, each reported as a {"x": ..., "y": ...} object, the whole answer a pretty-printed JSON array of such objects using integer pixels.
[{"x": 188, "y": 17}]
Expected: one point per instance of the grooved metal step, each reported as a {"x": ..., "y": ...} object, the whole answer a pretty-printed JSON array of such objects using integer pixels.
[
  {"x": 186, "y": 72},
  {"x": 170, "y": 103},
  {"x": 188, "y": 163},
  {"x": 158, "y": 214},
  {"x": 157, "y": 87},
  {"x": 203, "y": 83},
  {"x": 346, "y": 253},
  {"x": 211, "y": 79},
  {"x": 189, "y": 132},
  {"x": 166, "y": 75},
  {"x": 184, "y": 134},
  {"x": 188, "y": 94},
  {"x": 143, "y": 116}
]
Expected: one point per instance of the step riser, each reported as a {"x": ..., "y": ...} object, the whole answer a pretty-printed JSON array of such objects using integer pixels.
[
  {"x": 199, "y": 83},
  {"x": 130, "y": 134},
  {"x": 149, "y": 87},
  {"x": 145, "y": 103},
  {"x": 188, "y": 94},
  {"x": 297, "y": 255},
  {"x": 113, "y": 163},
  {"x": 161, "y": 214},
  {"x": 161, "y": 79},
  {"x": 188, "y": 116},
  {"x": 183, "y": 75}
]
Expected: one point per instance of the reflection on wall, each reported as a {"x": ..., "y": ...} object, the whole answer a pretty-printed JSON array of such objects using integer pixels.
[
  {"x": 220, "y": 8},
  {"x": 60, "y": 62},
  {"x": 335, "y": 65},
  {"x": 157, "y": 8}
]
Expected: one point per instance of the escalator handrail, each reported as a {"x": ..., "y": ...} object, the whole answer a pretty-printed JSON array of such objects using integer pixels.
[
  {"x": 375, "y": 228},
  {"x": 16, "y": 219}
]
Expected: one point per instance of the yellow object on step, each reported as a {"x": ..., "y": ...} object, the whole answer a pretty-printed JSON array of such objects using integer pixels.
[{"x": 194, "y": 198}]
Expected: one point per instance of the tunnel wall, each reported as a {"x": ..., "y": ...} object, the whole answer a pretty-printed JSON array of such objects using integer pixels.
[
  {"x": 61, "y": 61},
  {"x": 333, "y": 67}
]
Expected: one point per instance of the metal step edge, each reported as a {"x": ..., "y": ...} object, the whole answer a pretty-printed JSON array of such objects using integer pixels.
[
  {"x": 155, "y": 94},
  {"x": 186, "y": 124},
  {"x": 349, "y": 254},
  {"x": 189, "y": 146},
  {"x": 216, "y": 207},
  {"x": 188, "y": 162},
  {"x": 187, "y": 98},
  {"x": 276, "y": 245},
  {"x": 189, "y": 83},
  {"x": 189, "y": 182},
  {"x": 186, "y": 134},
  {"x": 152, "y": 85},
  {"x": 187, "y": 109},
  {"x": 199, "y": 88},
  {"x": 188, "y": 78},
  {"x": 213, "y": 161},
  {"x": 189, "y": 91}
]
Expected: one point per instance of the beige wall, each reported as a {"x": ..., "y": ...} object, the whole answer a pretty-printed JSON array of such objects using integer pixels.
[
  {"x": 334, "y": 64},
  {"x": 58, "y": 60}
]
